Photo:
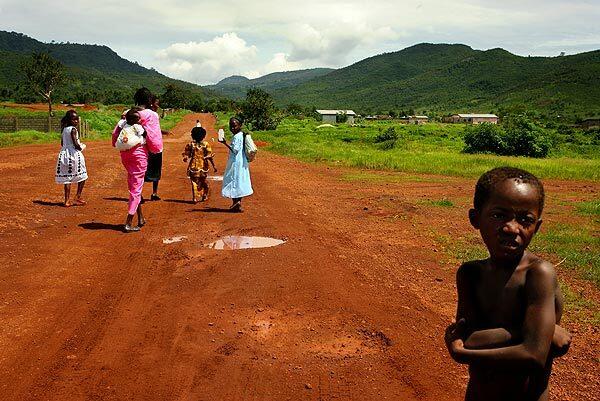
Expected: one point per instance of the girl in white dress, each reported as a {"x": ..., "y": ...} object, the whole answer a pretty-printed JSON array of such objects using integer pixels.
[{"x": 70, "y": 166}]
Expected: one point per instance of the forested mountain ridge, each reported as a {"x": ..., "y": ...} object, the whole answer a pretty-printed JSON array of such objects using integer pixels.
[
  {"x": 427, "y": 78},
  {"x": 94, "y": 72},
  {"x": 452, "y": 78}
]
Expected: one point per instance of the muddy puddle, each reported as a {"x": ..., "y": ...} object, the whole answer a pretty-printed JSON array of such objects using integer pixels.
[{"x": 230, "y": 242}]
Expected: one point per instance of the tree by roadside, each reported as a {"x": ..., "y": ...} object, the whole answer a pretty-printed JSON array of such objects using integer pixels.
[
  {"x": 44, "y": 74},
  {"x": 259, "y": 111},
  {"x": 174, "y": 97}
]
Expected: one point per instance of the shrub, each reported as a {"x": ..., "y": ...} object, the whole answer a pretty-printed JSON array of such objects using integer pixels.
[
  {"x": 387, "y": 145},
  {"x": 389, "y": 134},
  {"x": 595, "y": 135},
  {"x": 341, "y": 118},
  {"x": 485, "y": 138},
  {"x": 518, "y": 137},
  {"x": 524, "y": 138}
]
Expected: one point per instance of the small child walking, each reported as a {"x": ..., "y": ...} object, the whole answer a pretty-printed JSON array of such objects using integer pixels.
[
  {"x": 70, "y": 164},
  {"x": 509, "y": 305},
  {"x": 200, "y": 154}
]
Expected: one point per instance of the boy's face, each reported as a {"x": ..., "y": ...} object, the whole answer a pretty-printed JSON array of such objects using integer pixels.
[{"x": 509, "y": 219}]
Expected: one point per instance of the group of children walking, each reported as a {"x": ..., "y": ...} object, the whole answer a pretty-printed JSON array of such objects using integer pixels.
[
  {"x": 236, "y": 178},
  {"x": 138, "y": 138},
  {"x": 507, "y": 326}
]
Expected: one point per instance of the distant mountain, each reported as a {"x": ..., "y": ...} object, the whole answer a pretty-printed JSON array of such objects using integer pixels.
[
  {"x": 429, "y": 78},
  {"x": 236, "y": 86},
  {"x": 453, "y": 78},
  {"x": 94, "y": 72},
  {"x": 232, "y": 80}
]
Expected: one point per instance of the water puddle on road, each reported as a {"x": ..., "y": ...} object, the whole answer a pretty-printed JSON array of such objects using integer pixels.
[
  {"x": 215, "y": 178},
  {"x": 173, "y": 240},
  {"x": 232, "y": 242}
]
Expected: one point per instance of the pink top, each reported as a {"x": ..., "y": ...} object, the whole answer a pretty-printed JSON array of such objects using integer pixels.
[{"x": 148, "y": 120}]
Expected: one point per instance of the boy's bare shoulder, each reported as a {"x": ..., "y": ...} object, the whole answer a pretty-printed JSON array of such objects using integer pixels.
[
  {"x": 471, "y": 268},
  {"x": 541, "y": 269}
]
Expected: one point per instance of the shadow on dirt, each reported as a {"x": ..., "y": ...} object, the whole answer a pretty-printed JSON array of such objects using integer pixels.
[
  {"x": 102, "y": 226},
  {"x": 188, "y": 202},
  {"x": 48, "y": 203},
  {"x": 212, "y": 210},
  {"x": 116, "y": 198}
]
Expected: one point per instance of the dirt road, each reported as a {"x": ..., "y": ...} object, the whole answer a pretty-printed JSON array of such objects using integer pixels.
[{"x": 352, "y": 307}]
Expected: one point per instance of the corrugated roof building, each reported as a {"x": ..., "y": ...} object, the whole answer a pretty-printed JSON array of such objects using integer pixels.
[
  {"x": 474, "y": 118},
  {"x": 330, "y": 116}
]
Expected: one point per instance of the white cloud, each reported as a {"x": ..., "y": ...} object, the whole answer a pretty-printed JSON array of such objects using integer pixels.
[
  {"x": 281, "y": 62},
  {"x": 208, "y": 61},
  {"x": 332, "y": 44}
]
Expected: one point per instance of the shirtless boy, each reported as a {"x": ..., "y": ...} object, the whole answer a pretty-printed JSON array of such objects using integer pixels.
[{"x": 509, "y": 305}]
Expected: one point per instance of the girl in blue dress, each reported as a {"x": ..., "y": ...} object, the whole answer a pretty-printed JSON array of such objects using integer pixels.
[{"x": 236, "y": 179}]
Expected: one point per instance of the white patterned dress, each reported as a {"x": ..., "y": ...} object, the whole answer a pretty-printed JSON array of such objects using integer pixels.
[{"x": 70, "y": 166}]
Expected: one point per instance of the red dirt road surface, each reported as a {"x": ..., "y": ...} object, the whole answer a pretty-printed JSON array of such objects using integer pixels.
[{"x": 352, "y": 307}]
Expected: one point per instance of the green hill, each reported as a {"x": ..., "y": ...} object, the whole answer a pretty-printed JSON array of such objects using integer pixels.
[
  {"x": 444, "y": 78},
  {"x": 94, "y": 72},
  {"x": 236, "y": 86}
]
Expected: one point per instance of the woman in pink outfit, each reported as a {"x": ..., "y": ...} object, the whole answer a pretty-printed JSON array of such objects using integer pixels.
[{"x": 135, "y": 160}]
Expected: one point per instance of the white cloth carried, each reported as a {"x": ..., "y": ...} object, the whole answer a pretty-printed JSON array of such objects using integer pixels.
[
  {"x": 130, "y": 136},
  {"x": 250, "y": 148}
]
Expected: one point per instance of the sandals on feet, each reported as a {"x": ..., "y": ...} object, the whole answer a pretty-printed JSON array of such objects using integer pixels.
[
  {"x": 236, "y": 207},
  {"x": 79, "y": 202},
  {"x": 130, "y": 229},
  {"x": 154, "y": 197}
]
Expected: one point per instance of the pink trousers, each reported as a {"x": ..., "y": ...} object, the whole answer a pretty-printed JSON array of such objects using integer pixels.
[{"x": 135, "y": 161}]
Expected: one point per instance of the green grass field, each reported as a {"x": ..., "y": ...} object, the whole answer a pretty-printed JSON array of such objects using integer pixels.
[
  {"x": 436, "y": 149},
  {"x": 101, "y": 122},
  {"x": 430, "y": 149}
]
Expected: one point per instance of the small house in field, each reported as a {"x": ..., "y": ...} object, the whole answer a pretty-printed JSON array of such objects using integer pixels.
[
  {"x": 590, "y": 123},
  {"x": 417, "y": 119},
  {"x": 330, "y": 116},
  {"x": 474, "y": 118}
]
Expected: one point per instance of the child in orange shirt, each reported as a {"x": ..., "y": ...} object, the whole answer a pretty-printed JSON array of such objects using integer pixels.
[{"x": 199, "y": 154}]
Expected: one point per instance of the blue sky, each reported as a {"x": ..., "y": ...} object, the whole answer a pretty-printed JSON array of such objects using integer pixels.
[{"x": 203, "y": 42}]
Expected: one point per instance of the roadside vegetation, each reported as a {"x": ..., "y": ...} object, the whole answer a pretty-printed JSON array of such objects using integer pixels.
[
  {"x": 101, "y": 123},
  {"x": 428, "y": 152},
  {"x": 433, "y": 148}
]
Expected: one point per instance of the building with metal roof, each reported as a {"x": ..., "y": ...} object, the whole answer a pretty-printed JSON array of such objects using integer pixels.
[{"x": 330, "y": 116}]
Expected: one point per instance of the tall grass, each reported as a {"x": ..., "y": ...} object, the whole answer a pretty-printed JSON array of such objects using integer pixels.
[
  {"x": 27, "y": 137},
  {"x": 430, "y": 148},
  {"x": 578, "y": 247},
  {"x": 101, "y": 123}
]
